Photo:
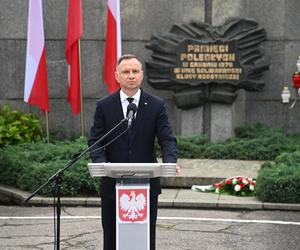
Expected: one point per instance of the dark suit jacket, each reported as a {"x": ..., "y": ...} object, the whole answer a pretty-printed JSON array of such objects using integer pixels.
[{"x": 151, "y": 121}]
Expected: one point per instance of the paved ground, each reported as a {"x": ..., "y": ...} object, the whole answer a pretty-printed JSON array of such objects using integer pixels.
[
  {"x": 177, "y": 229},
  {"x": 218, "y": 222}
]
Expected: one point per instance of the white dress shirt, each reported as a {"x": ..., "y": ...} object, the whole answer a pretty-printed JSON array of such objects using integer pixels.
[{"x": 124, "y": 101}]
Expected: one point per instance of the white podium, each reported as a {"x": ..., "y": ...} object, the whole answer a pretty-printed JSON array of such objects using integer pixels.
[{"x": 132, "y": 199}]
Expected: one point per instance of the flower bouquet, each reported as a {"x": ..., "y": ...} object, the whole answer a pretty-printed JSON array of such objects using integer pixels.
[{"x": 238, "y": 185}]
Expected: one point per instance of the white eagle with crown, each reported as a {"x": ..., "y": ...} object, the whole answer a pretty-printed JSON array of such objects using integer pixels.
[{"x": 132, "y": 205}]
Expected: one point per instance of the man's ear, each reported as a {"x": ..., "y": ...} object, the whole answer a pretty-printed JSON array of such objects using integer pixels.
[
  {"x": 142, "y": 75},
  {"x": 117, "y": 76}
]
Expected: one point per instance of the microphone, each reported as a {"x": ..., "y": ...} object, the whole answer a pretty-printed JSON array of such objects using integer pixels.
[{"x": 131, "y": 109}]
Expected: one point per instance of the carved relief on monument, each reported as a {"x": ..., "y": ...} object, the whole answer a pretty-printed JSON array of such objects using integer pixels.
[{"x": 201, "y": 63}]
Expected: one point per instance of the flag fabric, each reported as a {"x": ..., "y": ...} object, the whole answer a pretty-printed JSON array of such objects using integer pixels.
[
  {"x": 36, "y": 83},
  {"x": 113, "y": 44},
  {"x": 74, "y": 32}
]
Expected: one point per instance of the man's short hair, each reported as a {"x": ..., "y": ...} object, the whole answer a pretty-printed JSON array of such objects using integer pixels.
[{"x": 126, "y": 57}]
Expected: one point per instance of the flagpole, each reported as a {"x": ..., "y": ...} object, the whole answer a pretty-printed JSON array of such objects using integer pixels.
[
  {"x": 81, "y": 92},
  {"x": 47, "y": 125}
]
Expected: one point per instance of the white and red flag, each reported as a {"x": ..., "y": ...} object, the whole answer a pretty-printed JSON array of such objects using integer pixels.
[
  {"x": 74, "y": 32},
  {"x": 113, "y": 48},
  {"x": 36, "y": 83}
]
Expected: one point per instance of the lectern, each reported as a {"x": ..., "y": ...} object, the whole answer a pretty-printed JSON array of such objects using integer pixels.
[{"x": 132, "y": 199}]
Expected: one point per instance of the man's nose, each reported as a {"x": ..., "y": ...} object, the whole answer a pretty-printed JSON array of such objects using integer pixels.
[{"x": 131, "y": 75}]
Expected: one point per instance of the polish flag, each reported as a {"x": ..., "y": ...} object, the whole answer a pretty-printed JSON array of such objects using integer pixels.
[
  {"x": 36, "y": 84},
  {"x": 113, "y": 44},
  {"x": 74, "y": 33}
]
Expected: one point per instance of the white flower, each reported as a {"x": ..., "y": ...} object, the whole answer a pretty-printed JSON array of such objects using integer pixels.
[
  {"x": 251, "y": 187},
  {"x": 237, "y": 188},
  {"x": 234, "y": 181},
  {"x": 217, "y": 190},
  {"x": 245, "y": 181}
]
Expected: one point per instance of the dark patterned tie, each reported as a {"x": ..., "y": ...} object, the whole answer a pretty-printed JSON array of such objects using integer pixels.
[{"x": 130, "y": 100}]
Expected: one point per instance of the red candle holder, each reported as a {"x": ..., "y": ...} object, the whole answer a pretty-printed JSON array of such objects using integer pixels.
[{"x": 296, "y": 80}]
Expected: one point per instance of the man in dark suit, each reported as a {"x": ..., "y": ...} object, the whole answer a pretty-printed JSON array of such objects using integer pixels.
[{"x": 135, "y": 146}]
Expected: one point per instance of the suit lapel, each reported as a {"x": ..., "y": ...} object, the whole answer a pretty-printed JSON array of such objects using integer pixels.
[
  {"x": 117, "y": 104},
  {"x": 117, "y": 108}
]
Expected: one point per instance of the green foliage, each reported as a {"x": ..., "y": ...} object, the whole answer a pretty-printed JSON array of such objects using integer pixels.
[
  {"x": 27, "y": 166},
  {"x": 258, "y": 130},
  {"x": 191, "y": 146},
  {"x": 18, "y": 127},
  {"x": 252, "y": 142},
  {"x": 280, "y": 181}
]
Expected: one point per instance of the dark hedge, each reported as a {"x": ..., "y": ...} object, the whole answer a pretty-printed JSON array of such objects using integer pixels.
[
  {"x": 27, "y": 166},
  {"x": 280, "y": 181}
]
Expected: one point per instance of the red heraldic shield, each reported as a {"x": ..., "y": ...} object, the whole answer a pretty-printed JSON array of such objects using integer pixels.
[{"x": 132, "y": 205}]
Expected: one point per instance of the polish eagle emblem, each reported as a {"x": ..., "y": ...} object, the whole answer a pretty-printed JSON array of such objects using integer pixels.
[{"x": 132, "y": 206}]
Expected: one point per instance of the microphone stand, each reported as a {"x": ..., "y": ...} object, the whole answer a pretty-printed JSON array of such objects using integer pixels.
[{"x": 57, "y": 178}]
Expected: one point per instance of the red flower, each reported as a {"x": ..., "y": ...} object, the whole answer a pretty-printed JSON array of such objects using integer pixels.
[
  {"x": 219, "y": 185},
  {"x": 240, "y": 179},
  {"x": 228, "y": 181}
]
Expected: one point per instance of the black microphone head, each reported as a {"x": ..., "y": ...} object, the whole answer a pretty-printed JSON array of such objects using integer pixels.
[{"x": 131, "y": 107}]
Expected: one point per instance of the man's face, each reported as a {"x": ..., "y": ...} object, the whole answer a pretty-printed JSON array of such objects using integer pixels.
[{"x": 130, "y": 75}]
